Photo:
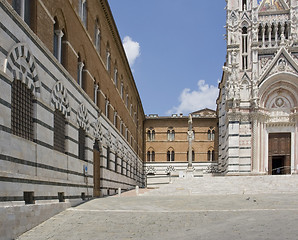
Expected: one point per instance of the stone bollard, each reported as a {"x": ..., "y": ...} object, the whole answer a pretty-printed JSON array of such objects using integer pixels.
[
  {"x": 119, "y": 192},
  {"x": 137, "y": 190}
]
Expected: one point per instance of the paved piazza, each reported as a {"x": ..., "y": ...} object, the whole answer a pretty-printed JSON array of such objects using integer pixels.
[{"x": 262, "y": 216}]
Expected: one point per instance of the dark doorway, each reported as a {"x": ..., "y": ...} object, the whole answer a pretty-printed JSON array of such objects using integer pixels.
[
  {"x": 279, "y": 161},
  {"x": 278, "y": 164}
]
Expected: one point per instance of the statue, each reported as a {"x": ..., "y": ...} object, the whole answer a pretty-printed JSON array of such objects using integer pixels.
[{"x": 190, "y": 139}]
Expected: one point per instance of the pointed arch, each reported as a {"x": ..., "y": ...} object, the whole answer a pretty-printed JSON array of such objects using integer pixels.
[
  {"x": 20, "y": 65},
  {"x": 60, "y": 99}
]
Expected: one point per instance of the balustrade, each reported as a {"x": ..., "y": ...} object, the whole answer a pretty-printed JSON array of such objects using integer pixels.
[{"x": 273, "y": 34}]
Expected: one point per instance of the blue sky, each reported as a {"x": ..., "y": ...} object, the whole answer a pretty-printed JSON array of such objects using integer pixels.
[{"x": 178, "y": 49}]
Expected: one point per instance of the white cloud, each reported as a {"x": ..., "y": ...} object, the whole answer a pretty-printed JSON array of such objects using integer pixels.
[
  {"x": 132, "y": 49},
  {"x": 191, "y": 101}
]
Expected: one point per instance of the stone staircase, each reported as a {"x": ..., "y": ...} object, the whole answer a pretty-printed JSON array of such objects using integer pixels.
[{"x": 224, "y": 185}]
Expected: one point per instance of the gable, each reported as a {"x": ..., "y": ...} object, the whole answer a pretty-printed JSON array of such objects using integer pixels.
[
  {"x": 204, "y": 113},
  {"x": 281, "y": 63}
]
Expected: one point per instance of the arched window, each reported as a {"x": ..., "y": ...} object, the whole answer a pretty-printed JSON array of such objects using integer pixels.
[
  {"x": 83, "y": 11},
  {"x": 82, "y": 143},
  {"x": 80, "y": 71},
  {"x": 58, "y": 35},
  {"x": 107, "y": 108},
  {"x": 59, "y": 131},
  {"x": 193, "y": 155},
  {"x": 115, "y": 118},
  {"x": 213, "y": 135},
  {"x": 121, "y": 127},
  {"x": 21, "y": 110},
  {"x": 171, "y": 135},
  {"x": 171, "y": 155},
  {"x": 209, "y": 155},
  {"x": 96, "y": 89},
  {"x": 108, "y": 59},
  {"x": 151, "y": 156},
  {"x": 97, "y": 36},
  {"x": 126, "y": 101},
  {"x": 24, "y": 9},
  {"x": 244, "y": 5},
  {"x": 121, "y": 90},
  {"x": 244, "y": 48},
  {"x": 212, "y": 156},
  {"x": 209, "y": 134},
  {"x": 151, "y": 134},
  {"x": 168, "y": 156},
  {"x": 116, "y": 76}
]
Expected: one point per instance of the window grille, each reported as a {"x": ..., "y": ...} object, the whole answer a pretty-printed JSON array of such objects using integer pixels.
[
  {"x": 21, "y": 110},
  {"x": 108, "y": 157},
  {"x": 116, "y": 161},
  {"x": 59, "y": 131},
  {"x": 82, "y": 144}
]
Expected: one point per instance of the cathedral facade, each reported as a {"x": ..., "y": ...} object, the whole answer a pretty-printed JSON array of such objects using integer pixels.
[{"x": 257, "y": 103}]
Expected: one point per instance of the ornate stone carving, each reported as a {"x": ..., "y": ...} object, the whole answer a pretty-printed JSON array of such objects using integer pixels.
[
  {"x": 282, "y": 66},
  {"x": 118, "y": 147},
  {"x": 82, "y": 117},
  {"x": 170, "y": 169},
  {"x": 60, "y": 99},
  {"x": 233, "y": 20},
  {"x": 97, "y": 130},
  {"x": 264, "y": 61},
  {"x": 21, "y": 65},
  {"x": 108, "y": 138},
  {"x": 212, "y": 169},
  {"x": 150, "y": 170}
]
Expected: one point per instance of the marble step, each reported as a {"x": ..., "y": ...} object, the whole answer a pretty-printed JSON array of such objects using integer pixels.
[{"x": 229, "y": 185}]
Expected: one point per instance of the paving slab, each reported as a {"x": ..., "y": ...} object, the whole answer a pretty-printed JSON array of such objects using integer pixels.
[{"x": 259, "y": 216}]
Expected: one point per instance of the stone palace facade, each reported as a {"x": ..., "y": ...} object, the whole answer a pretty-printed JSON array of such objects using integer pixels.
[
  {"x": 71, "y": 122},
  {"x": 258, "y": 99}
]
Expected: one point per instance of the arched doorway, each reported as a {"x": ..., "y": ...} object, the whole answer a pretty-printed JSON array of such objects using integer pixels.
[
  {"x": 278, "y": 125},
  {"x": 96, "y": 169}
]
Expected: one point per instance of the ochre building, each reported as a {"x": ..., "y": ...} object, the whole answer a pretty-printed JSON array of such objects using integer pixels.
[{"x": 167, "y": 143}]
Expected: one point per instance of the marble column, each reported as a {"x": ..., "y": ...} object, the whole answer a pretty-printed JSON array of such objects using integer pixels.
[{"x": 190, "y": 139}]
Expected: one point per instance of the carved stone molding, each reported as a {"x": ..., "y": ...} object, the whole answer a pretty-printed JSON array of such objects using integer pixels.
[
  {"x": 82, "y": 117},
  {"x": 21, "y": 66},
  {"x": 150, "y": 170},
  {"x": 59, "y": 99},
  {"x": 97, "y": 130},
  {"x": 170, "y": 169}
]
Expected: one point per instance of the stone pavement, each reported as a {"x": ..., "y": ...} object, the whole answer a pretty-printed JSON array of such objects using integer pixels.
[{"x": 225, "y": 217}]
